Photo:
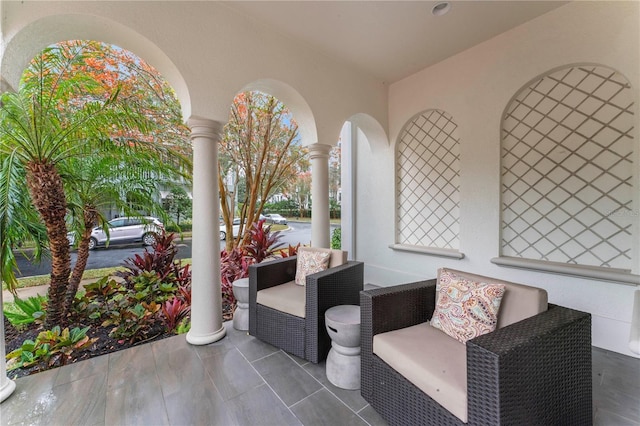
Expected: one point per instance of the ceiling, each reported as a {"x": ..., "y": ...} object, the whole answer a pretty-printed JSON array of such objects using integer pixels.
[{"x": 391, "y": 39}]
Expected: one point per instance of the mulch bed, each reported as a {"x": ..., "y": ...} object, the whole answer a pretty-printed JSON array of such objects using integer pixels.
[{"x": 105, "y": 344}]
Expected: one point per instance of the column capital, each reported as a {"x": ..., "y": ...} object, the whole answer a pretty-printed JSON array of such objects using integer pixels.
[
  {"x": 319, "y": 150},
  {"x": 205, "y": 128}
]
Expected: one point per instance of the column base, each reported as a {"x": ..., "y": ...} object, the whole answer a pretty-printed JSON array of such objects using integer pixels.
[
  {"x": 205, "y": 339},
  {"x": 7, "y": 389}
]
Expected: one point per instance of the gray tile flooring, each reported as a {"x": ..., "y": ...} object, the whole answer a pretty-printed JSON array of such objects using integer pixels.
[{"x": 238, "y": 381}]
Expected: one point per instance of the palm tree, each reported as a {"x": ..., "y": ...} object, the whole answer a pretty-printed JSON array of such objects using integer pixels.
[
  {"x": 19, "y": 220},
  {"x": 56, "y": 114},
  {"x": 113, "y": 177}
]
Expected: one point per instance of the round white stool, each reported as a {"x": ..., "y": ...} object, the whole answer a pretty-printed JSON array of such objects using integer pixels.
[
  {"x": 343, "y": 361},
  {"x": 241, "y": 314}
]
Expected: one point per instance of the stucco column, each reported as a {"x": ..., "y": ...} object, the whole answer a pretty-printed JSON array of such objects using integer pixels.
[
  {"x": 206, "y": 297},
  {"x": 319, "y": 154}
]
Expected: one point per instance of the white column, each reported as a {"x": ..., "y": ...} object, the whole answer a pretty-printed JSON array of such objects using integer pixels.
[
  {"x": 206, "y": 296},
  {"x": 6, "y": 386},
  {"x": 319, "y": 154},
  {"x": 348, "y": 137}
]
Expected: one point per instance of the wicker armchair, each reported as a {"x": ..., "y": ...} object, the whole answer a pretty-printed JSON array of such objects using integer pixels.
[
  {"x": 534, "y": 372},
  {"x": 303, "y": 335}
]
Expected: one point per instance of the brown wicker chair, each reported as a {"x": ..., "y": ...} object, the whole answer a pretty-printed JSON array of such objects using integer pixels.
[
  {"x": 305, "y": 337},
  {"x": 534, "y": 372}
]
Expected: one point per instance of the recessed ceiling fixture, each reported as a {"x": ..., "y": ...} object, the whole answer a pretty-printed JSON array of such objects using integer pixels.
[{"x": 441, "y": 8}]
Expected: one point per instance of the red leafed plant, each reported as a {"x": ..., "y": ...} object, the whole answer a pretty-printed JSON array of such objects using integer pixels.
[
  {"x": 289, "y": 251},
  {"x": 233, "y": 266},
  {"x": 159, "y": 261},
  {"x": 173, "y": 311},
  {"x": 263, "y": 243}
]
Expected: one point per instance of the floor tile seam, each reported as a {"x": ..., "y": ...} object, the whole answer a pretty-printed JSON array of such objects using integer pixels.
[
  {"x": 105, "y": 373},
  {"x": 307, "y": 397},
  {"x": 268, "y": 385},
  {"x": 331, "y": 392},
  {"x": 155, "y": 371},
  {"x": 262, "y": 357},
  {"x": 212, "y": 380},
  {"x": 600, "y": 410}
]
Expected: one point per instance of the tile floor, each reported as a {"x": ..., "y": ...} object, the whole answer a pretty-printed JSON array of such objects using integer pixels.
[{"x": 238, "y": 381}]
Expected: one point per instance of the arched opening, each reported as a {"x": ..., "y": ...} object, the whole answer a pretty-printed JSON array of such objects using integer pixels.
[
  {"x": 90, "y": 126},
  {"x": 359, "y": 132}
]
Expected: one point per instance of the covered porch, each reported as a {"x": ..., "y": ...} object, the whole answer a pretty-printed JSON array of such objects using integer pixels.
[{"x": 371, "y": 75}]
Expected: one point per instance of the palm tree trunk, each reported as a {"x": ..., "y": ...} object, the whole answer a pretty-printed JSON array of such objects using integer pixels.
[
  {"x": 47, "y": 193},
  {"x": 90, "y": 220}
]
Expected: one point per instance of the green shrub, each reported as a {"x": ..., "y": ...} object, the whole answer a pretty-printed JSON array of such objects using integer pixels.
[
  {"x": 29, "y": 310},
  {"x": 51, "y": 347},
  {"x": 336, "y": 239}
]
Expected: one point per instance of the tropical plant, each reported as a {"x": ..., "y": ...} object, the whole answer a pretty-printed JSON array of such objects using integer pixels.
[
  {"x": 135, "y": 323},
  {"x": 159, "y": 261},
  {"x": 233, "y": 266},
  {"x": 262, "y": 243},
  {"x": 110, "y": 177},
  {"x": 30, "y": 310},
  {"x": 289, "y": 251},
  {"x": 51, "y": 347},
  {"x": 184, "y": 326},
  {"x": 173, "y": 312},
  {"x": 336, "y": 239},
  {"x": 19, "y": 221}
]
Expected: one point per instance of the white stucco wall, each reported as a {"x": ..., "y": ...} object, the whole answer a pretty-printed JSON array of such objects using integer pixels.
[
  {"x": 208, "y": 52},
  {"x": 474, "y": 87}
]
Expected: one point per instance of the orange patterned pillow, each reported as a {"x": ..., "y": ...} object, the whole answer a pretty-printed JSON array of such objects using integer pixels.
[
  {"x": 466, "y": 309},
  {"x": 310, "y": 262}
]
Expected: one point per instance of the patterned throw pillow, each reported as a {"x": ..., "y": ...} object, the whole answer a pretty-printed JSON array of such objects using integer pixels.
[
  {"x": 310, "y": 262},
  {"x": 466, "y": 309}
]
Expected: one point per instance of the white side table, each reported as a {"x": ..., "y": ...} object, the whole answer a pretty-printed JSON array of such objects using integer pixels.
[
  {"x": 241, "y": 314},
  {"x": 343, "y": 361}
]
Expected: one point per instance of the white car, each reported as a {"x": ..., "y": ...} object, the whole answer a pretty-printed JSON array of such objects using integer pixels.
[
  {"x": 125, "y": 230},
  {"x": 235, "y": 227},
  {"x": 276, "y": 219}
]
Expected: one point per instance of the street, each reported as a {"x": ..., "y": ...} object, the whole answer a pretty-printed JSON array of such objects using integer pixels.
[{"x": 299, "y": 232}]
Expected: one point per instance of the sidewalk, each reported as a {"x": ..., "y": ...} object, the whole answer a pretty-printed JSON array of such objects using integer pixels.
[{"x": 42, "y": 290}]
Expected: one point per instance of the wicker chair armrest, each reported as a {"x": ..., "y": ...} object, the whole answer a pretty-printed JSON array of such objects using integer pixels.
[
  {"x": 340, "y": 285},
  {"x": 271, "y": 273},
  {"x": 532, "y": 371},
  {"x": 392, "y": 308}
]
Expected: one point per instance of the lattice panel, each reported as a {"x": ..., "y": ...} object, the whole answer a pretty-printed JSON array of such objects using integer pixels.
[
  {"x": 567, "y": 169},
  {"x": 428, "y": 181}
]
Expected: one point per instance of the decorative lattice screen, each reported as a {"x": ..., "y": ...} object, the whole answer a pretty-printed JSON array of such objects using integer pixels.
[
  {"x": 567, "y": 169},
  {"x": 428, "y": 181}
]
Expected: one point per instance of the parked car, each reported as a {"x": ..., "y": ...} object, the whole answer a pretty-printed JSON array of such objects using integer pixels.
[
  {"x": 124, "y": 230},
  {"x": 276, "y": 218},
  {"x": 235, "y": 227}
]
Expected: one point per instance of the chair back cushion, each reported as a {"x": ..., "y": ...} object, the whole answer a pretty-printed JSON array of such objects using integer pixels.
[
  {"x": 431, "y": 360},
  {"x": 310, "y": 262},
  {"x": 518, "y": 302},
  {"x": 287, "y": 297},
  {"x": 338, "y": 257}
]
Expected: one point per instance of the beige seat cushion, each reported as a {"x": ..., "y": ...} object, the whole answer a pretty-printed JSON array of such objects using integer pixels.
[
  {"x": 431, "y": 360},
  {"x": 287, "y": 297},
  {"x": 291, "y": 298},
  {"x": 519, "y": 301}
]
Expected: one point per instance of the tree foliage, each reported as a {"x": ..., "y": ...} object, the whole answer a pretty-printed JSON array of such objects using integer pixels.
[{"x": 260, "y": 145}]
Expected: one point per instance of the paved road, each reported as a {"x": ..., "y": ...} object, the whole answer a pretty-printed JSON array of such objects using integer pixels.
[{"x": 114, "y": 256}]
